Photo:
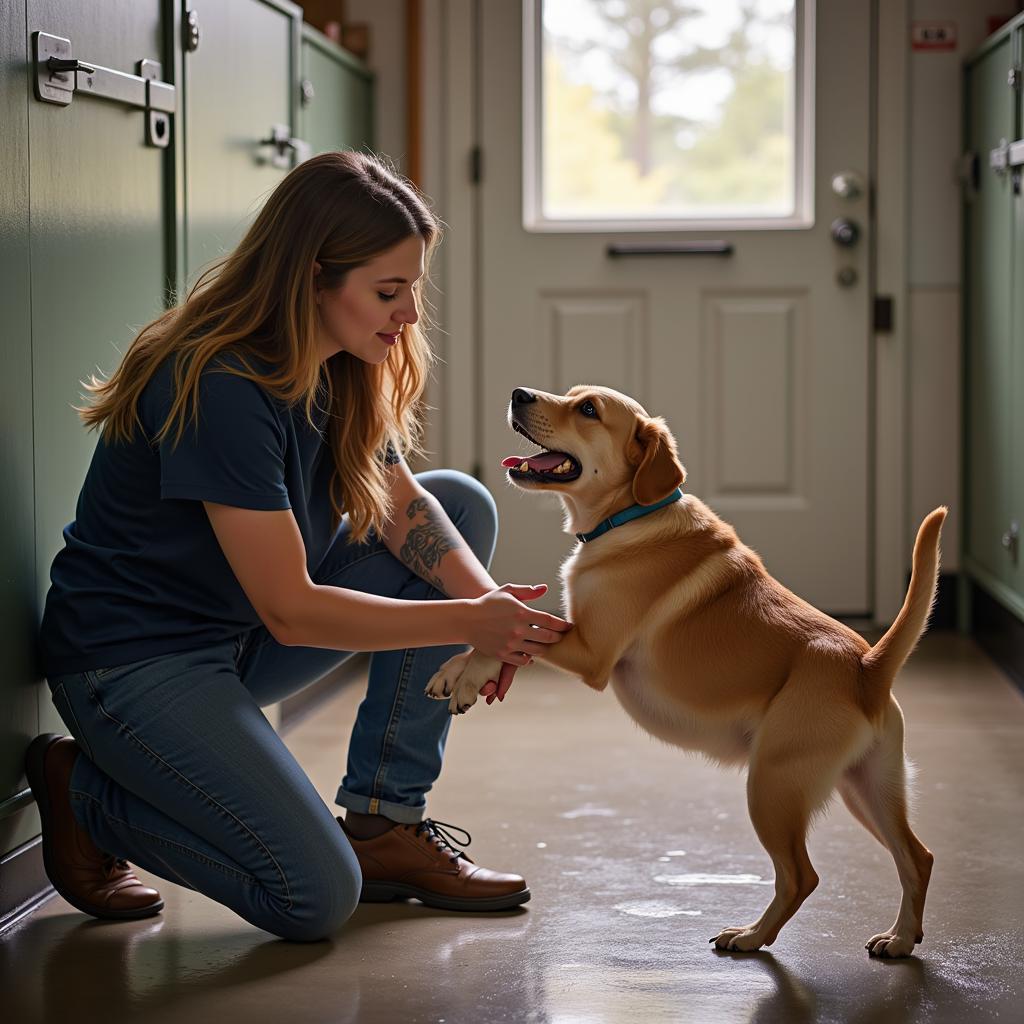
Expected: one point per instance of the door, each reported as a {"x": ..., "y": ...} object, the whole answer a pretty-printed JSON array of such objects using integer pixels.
[
  {"x": 988, "y": 241},
  {"x": 97, "y": 249},
  {"x": 337, "y": 96},
  {"x": 1015, "y": 527},
  {"x": 758, "y": 360},
  {"x": 238, "y": 97}
]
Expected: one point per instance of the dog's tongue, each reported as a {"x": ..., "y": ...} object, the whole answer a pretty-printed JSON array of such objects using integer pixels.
[{"x": 538, "y": 463}]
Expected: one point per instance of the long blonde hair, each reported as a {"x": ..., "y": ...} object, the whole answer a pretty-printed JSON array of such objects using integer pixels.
[{"x": 340, "y": 209}]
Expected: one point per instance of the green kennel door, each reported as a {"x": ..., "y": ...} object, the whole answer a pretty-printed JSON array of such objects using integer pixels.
[
  {"x": 238, "y": 96},
  {"x": 97, "y": 248},
  {"x": 1015, "y": 549},
  {"x": 988, "y": 226},
  {"x": 336, "y": 96}
]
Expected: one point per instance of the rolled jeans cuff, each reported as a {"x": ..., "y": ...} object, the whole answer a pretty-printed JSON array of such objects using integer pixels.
[{"x": 402, "y": 813}]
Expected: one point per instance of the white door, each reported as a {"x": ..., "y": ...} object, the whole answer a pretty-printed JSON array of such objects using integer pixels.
[{"x": 758, "y": 360}]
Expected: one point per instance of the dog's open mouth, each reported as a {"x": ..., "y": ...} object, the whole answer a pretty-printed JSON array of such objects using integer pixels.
[{"x": 548, "y": 465}]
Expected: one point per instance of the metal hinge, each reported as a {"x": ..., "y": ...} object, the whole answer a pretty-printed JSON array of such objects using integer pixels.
[
  {"x": 884, "y": 307},
  {"x": 190, "y": 32},
  {"x": 1013, "y": 77},
  {"x": 476, "y": 165},
  {"x": 969, "y": 170}
]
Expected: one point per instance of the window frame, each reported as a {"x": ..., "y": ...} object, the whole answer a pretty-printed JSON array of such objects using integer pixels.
[{"x": 534, "y": 219}]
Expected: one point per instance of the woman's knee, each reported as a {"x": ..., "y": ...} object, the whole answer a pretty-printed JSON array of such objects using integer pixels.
[
  {"x": 469, "y": 504},
  {"x": 330, "y": 900}
]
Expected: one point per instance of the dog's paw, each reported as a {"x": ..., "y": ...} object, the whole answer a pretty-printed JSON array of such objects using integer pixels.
[
  {"x": 461, "y": 678},
  {"x": 890, "y": 945},
  {"x": 739, "y": 940},
  {"x": 443, "y": 681}
]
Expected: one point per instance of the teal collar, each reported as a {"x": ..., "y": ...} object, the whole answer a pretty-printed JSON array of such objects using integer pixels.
[{"x": 633, "y": 512}]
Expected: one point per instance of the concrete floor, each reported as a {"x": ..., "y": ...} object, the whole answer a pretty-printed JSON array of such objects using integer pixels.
[{"x": 636, "y": 854}]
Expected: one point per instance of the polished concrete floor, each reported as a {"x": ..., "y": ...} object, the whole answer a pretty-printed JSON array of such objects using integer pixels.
[{"x": 636, "y": 854}]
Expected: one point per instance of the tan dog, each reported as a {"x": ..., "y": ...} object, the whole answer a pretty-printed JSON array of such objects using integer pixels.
[{"x": 707, "y": 651}]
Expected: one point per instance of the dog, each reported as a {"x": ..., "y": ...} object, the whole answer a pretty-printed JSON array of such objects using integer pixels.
[{"x": 707, "y": 651}]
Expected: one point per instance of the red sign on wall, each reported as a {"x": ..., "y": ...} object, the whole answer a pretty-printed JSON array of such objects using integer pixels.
[{"x": 933, "y": 35}]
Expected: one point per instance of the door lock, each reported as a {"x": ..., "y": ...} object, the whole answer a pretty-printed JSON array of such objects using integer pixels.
[
  {"x": 58, "y": 76},
  {"x": 845, "y": 232}
]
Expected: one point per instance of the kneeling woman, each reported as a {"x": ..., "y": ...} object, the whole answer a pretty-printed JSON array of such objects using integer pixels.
[{"x": 246, "y": 523}]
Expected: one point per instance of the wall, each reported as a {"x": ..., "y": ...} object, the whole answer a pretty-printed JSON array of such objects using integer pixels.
[
  {"x": 934, "y": 147},
  {"x": 935, "y": 144}
]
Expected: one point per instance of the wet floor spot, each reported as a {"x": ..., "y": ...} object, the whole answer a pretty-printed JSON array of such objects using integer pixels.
[
  {"x": 711, "y": 880},
  {"x": 589, "y": 811},
  {"x": 654, "y": 908}
]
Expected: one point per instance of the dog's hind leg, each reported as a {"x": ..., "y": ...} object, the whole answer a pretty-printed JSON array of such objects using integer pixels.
[
  {"x": 851, "y": 797},
  {"x": 878, "y": 784},
  {"x": 794, "y": 768},
  {"x": 780, "y": 813}
]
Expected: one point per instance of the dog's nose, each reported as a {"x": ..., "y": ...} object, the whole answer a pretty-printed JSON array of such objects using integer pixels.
[{"x": 520, "y": 396}]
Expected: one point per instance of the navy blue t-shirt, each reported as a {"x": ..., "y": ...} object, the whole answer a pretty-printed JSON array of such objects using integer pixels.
[{"x": 141, "y": 573}]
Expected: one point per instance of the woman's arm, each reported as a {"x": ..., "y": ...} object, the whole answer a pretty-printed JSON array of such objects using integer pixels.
[
  {"x": 422, "y": 537},
  {"x": 266, "y": 554}
]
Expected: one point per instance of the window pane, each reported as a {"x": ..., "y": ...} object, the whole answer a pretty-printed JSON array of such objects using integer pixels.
[{"x": 668, "y": 109}]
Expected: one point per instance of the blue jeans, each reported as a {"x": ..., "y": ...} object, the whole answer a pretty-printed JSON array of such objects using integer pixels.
[{"x": 184, "y": 776}]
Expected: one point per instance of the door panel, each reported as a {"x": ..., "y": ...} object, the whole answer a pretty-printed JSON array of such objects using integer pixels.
[
  {"x": 19, "y": 609},
  {"x": 237, "y": 87},
  {"x": 988, "y": 244},
  {"x": 1016, "y": 568},
  {"x": 758, "y": 362},
  {"x": 97, "y": 251},
  {"x": 339, "y": 113}
]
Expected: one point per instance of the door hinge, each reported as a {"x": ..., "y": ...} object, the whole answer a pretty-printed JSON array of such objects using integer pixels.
[
  {"x": 476, "y": 165},
  {"x": 883, "y": 314},
  {"x": 190, "y": 32},
  {"x": 1013, "y": 77}
]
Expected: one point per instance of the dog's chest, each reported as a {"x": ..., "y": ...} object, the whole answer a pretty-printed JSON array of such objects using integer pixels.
[{"x": 669, "y": 718}]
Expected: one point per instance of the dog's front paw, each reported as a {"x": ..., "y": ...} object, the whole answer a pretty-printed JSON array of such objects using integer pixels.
[
  {"x": 890, "y": 945},
  {"x": 740, "y": 940},
  {"x": 461, "y": 678},
  {"x": 443, "y": 681}
]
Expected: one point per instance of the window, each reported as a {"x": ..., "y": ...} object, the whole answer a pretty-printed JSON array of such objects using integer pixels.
[{"x": 667, "y": 114}]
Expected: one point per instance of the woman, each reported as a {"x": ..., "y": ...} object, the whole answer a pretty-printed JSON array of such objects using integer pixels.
[{"x": 246, "y": 523}]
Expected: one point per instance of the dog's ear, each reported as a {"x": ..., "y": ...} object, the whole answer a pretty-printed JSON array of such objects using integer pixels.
[{"x": 660, "y": 472}]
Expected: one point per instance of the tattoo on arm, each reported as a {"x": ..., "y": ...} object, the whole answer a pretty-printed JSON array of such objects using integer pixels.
[{"x": 426, "y": 544}]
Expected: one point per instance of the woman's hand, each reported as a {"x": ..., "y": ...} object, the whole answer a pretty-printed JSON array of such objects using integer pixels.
[
  {"x": 492, "y": 689},
  {"x": 509, "y": 630},
  {"x": 503, "y": 627}
]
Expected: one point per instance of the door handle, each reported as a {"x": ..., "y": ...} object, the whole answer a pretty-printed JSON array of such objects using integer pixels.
[
  {"x": 58, "y": 76},
  {"x": 672, "y": 249},
  {"x": 283, "y": 141},
  {"x": 845, "y": 232}
]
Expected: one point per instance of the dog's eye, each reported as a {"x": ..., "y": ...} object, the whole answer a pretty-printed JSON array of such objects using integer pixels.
[{"x": 587, "y": 408}]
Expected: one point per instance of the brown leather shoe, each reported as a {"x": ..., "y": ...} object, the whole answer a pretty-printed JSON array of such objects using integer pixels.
[
  {"x": 90, "y": 880},
  {"x": 422, "y": 861}
]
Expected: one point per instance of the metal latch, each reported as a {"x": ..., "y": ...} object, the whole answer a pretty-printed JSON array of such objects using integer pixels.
[
  {"x": 288, "y": 151},
  {"x": 58, "y": 76},
  {"x": 998, "y": 158}
]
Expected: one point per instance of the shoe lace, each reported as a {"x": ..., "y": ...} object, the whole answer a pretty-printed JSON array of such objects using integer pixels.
[
  {"x": 437, "y": 832},
  {"x": 112, "y": 864}
]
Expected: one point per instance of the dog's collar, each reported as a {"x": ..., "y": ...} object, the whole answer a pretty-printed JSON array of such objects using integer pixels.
[{"x": 633, "y": 512}]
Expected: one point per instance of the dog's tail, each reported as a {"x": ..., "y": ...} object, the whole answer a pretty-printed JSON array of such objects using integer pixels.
[{"x": 886, "y": 658}]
